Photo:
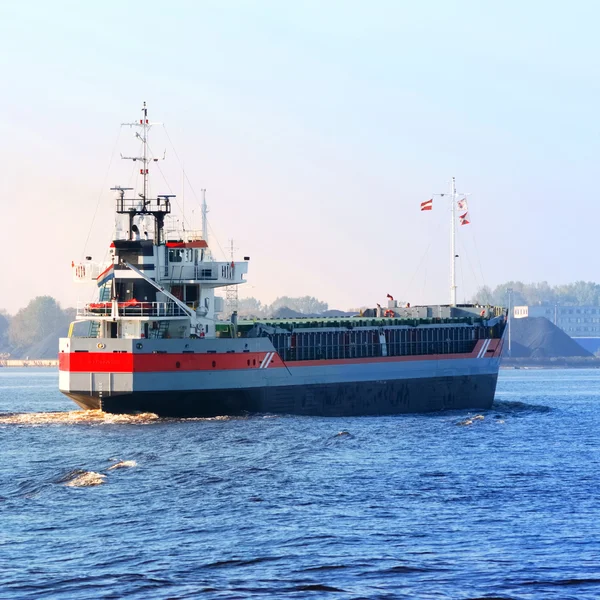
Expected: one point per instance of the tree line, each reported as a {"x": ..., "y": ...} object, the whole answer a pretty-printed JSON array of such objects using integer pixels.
[
  {"x": 44, "y": 317},
  {"x": 41, "y": 318}
]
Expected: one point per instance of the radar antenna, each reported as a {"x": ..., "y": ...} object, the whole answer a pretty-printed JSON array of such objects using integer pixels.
[
  {"x": 145, "y": 125},
  {"x": 157, "y": 207}
]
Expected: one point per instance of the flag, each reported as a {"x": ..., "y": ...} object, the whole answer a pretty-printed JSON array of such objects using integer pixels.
[
  {"x": 464, "y": 219},
  {"x": 427, "y": 205},
  {"x": 390, "y": 296},
  {"x": 462, "y": 204}
]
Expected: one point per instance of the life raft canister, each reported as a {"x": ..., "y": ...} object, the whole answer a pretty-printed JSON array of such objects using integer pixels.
[{"x": 389, "y": 313}]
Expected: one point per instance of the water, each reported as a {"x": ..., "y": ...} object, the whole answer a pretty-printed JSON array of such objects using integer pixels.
[{"x": 443, "y": 506}]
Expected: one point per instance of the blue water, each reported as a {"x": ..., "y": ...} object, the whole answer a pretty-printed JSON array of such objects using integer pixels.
[{"x": 507, "y": 506}]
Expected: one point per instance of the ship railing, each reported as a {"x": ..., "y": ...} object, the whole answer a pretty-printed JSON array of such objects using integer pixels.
[
  {"x": 137, "y": 205},
  {"x": 131, "y": 309},
  {"x": 344, "y": 351},
  {"x": 189, "y": 235}
]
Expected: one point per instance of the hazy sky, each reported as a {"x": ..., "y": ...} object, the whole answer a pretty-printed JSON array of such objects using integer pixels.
[{"x": 317, "y": 127}]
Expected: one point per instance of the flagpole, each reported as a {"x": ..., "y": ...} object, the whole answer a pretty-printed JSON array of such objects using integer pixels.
[
  {"x": 453, "y": 245},
  {"x": 463, "y": 221}
]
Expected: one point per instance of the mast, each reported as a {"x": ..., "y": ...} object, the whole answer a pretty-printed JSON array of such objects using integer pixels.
[
  {"x": 145, "y": 126},
  {"x": 158, "y": 207},
  {"x": 204, "y": 219},
  {"x": 144, "y": 122},
  {"x": 453, "y": 255},
  {"x": 453, "y": 244}
]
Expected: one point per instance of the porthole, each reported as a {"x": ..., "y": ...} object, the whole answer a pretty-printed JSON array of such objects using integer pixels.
[
  {"x": 100, "y": 346},
  {"x": 139, "y": 346}
]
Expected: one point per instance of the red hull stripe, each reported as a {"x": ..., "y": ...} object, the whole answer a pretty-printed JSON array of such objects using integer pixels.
[{"x": 124, "y": 362}]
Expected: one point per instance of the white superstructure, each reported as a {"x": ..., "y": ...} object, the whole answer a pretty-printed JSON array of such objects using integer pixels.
[{"x": 159, "y": 283}]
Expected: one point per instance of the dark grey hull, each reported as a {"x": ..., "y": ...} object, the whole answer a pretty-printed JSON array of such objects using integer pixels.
[{"x": 336, "y": 399}]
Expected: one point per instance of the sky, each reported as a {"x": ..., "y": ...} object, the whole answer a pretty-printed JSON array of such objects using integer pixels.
[{"x": 317, "y": 129}]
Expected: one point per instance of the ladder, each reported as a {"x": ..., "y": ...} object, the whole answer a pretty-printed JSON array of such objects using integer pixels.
[
  {"x": 105, "y": 293},
  {"x": 162, "y": 329},
  {"x": 160, "y": 332}
]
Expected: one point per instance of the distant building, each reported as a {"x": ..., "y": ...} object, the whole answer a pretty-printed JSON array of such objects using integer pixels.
[
  {"x": 520, "y": 312},
  {"x": 581, "y": 322}
]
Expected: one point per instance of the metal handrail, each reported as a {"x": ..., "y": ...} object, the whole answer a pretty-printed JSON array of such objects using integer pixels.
[{"x": 141, "y": 309}]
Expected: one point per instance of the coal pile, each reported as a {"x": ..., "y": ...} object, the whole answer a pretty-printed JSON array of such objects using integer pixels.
[{"x": 536, "y": 337}]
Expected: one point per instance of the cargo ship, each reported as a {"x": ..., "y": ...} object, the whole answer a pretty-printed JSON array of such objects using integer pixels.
[{"x": 153, "y": 341}]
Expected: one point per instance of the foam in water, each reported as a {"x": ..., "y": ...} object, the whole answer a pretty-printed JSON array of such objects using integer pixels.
[
  {"x": 123, "y": 464},
  {"x": 471, "y": 420},
  {"x": 86, "y": 479},
  {"x": 75, "y": 417}
]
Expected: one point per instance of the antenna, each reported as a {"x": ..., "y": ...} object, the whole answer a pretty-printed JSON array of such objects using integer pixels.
[
  {"x": 145, "y": 126},
  {"x": 204, "y": 219},
  {"x": 149, "y": 206},
  {"x": 167, "y": 198}
]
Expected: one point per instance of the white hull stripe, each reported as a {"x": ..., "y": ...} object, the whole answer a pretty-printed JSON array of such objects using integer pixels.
[
  {"x": 484, "y": 348},
  {"x": 266, "y": 360}
]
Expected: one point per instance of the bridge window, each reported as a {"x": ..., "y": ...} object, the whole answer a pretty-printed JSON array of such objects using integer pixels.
[{"x": 175, "y": 255}]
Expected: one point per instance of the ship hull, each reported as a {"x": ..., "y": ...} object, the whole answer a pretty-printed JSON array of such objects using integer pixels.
[
  {"x": 205, "y": 378},
  {"x": 420, "y": 395}
]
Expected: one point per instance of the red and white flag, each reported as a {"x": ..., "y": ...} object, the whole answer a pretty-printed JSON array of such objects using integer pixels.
[
  {"x": 464, "y": 219},
  {"x": 428, "y": 205},
  {"x": 462, "y": 204}
]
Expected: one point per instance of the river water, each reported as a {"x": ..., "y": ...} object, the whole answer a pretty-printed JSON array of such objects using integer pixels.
[{"x": 421, "y": 506}]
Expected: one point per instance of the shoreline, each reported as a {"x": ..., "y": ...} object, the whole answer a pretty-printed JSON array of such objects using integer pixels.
[
  {"x": 566, "y": 362},
  {"x": 39, "y": 362}
]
